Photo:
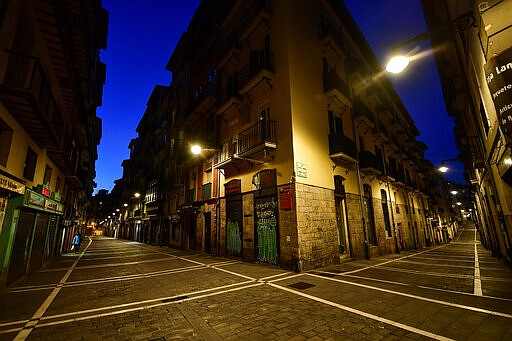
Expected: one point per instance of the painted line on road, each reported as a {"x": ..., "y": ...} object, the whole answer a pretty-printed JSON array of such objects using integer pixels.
[
  {"x": 75, "y": 319},
  {"x": 390, "y": 261},
  {"x": 364, "y": 314},
  {"x": 144, "y": 303},
  {"x": 426, "y": 299},
  {"x": 477, "y": 282},
  {"x": 29, "y": 326}
]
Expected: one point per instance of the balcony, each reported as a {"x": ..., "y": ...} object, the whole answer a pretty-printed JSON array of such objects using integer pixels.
[
  {"x": 206, "y": 96},
  {"x": 369, "y": 163},
  {"x": 335, "y": 86},
  {"x": 397, "y": 174},
  {"x": 331, "y": 39},
  {"x": 230, "y": 49},
  {"x": 260, "y": 68},
  {"x": 342, "y": 149},
  {"x": 26, "y": 94},
  {"x": 260, "y": 136},
  {"x": 229, "y": 98},
  {"x": 363, "y": 115},
  {"x": 257, "y": 138},
  {"x": 226, "y": 155},
  {"x": 258, "y": 14}
]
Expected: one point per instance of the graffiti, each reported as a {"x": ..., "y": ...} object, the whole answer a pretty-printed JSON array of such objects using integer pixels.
[
  {"x": 266, "y": 230},
  {"x": 234, "y": 239}
]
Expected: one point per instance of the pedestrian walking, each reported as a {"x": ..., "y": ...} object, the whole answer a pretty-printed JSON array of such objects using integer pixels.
[{"x": 77, "y": 239}]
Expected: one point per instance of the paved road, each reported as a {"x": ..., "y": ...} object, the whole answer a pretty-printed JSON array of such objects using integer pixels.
[{"x": 119, "y": 290}]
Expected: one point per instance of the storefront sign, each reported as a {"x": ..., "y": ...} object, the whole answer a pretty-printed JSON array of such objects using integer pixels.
[
  {"x": 233, "y": 187},
  {"x": 54, "y": 207},
  {"x": 38, "y": 201},
  {"x": 34, "y": 200},
  {"x": 11, "y": 185},
  {"x": 498, "y": 72}
]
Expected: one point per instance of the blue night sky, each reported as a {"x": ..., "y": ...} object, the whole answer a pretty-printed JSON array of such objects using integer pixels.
[{"x": 142, "y": 36}]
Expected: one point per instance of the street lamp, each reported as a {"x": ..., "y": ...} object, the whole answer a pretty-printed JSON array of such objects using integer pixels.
[
  {"x": 443, "y": 168},
  {"x": 400, "y": 61}
]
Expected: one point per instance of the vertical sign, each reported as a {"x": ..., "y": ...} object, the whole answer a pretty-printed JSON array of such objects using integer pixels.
[{"x": 498, "y": 73}]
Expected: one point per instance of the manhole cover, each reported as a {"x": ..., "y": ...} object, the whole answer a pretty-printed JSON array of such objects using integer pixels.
[{"x": 301, "y": 285}]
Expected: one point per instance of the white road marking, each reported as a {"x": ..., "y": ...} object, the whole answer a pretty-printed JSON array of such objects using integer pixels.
[
  {"x": 477, "y": 283},
  {"x": 393, "y": 292},
  {"x": 29, "y": 326},
  {"x": 364, "y": 314}
]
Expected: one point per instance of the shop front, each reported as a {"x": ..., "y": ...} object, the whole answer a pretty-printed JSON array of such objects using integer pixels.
[{"x": 29, "y": 234}]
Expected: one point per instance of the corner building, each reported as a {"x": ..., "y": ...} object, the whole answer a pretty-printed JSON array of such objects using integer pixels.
[{"x": 308, "y": 157}]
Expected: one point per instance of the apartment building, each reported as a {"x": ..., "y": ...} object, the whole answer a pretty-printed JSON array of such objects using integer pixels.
[
  {"x": 51, "y": 81},
  {"x": 308, "y": 154},
  {"x": 475, "y": 68}
]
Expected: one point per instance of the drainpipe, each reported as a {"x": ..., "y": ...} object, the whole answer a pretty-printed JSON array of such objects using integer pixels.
[
  {"x": 390, "y": 201},
  {"x": 365, "y": 234}
]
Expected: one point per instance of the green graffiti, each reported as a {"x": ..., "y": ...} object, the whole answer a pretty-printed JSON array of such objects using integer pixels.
[
  {"x": 234, "y": 239},
  {"x": 267, "y": 241}
]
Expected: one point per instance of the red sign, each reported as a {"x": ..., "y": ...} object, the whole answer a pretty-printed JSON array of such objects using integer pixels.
[
  {"x": 233, "y": 187},
  {"x": 46, "y": 191},
  {"x": 285, "y": 198}
]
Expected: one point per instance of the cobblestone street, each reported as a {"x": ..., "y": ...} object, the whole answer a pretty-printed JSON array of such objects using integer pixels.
[{"x": 120, "y": 290}]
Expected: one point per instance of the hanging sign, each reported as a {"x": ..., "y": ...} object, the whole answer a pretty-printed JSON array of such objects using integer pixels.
[{"x": 498, "y": 73}]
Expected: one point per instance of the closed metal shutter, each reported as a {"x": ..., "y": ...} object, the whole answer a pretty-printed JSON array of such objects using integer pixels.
[
  {"x": 49, "y": 248},
  {"x": 36, "y": 256},
  {"x": 19, "y": 255}
]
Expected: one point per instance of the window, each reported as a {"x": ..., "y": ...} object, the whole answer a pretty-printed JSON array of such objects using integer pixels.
[
  {"x": 206, "y": 191},
  {"x": 47, "y": 175},
  {"x": 484, "y": 117},
  {"x": 385, "y": 211},
  {"x": 152, "y": 192},
  {"x": 396, "y": 205},
  {"x": 5, "y": 142},
  {"x": 29, "y": 169},
  {"x": 368, "y": 215}
]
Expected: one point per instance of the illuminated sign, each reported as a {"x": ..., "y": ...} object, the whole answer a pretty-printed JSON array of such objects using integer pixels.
[
  {"x": 11, "y": 185},
  {"x": 498, "y": 73}
]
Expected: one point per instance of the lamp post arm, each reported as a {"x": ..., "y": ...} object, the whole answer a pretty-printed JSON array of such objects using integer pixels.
[{"x": 423, "y": 36}]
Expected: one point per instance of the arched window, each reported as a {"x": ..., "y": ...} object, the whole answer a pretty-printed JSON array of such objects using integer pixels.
[
  {"x": 385, "y": 212},
  {"x": 368, "y": 215}
]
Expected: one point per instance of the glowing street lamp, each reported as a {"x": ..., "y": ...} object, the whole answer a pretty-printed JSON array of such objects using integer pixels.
[
  {"x": 196, "y": 149},
  {"x": 397, "y": 64},
  {"x": 443, "y": 169},
  {"x": 454, "y": 192}
]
